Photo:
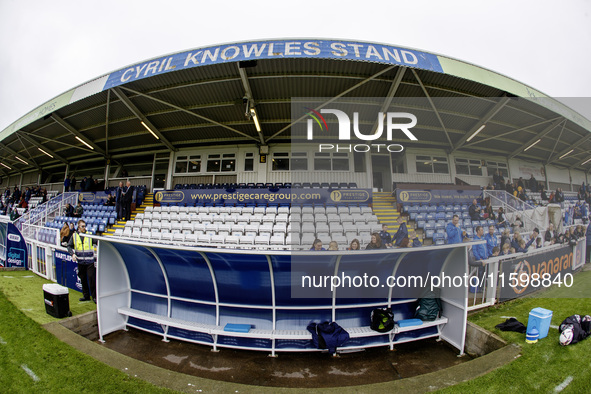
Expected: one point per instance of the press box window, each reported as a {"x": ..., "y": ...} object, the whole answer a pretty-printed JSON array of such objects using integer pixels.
[
  {"x": 331, "y": 162},
  {"x": 492, "y": 166},
  {"x": 280, "y": 161},
  {"x": 188, "y": 164},
  {"x": 223, "y": 163},
  {"x": 299, "y": 161},
  {"x": 432, "y": 164},
  {"x": 468, "y": 167},
  {"x": 249, "y": 162}
]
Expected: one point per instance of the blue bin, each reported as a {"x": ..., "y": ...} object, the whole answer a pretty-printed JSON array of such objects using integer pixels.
[{"x": 539, "y": 318}]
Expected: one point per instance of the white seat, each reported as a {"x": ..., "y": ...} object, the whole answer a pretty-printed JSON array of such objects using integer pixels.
[
  {"x": 232, "y": 240},
  {"x": 166, "y": 236},
  {"x": 278, "y": 239},
  {"x": 178, "y": 237},
  {"x": 204, "y": 239},
  {"x": 191, "y": 239},
  {"x": 262, "y": 239},
  {"x": 218, "y": 239},
  {"x": 247, "y": 240}
]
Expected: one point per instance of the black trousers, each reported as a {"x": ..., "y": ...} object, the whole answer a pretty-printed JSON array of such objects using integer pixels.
[
  {"x": 127, "y": 210},
  {"x": 588, "y": 253},
  {"x": 119, "y": 210},
  {"x": 87, "y": 275}
]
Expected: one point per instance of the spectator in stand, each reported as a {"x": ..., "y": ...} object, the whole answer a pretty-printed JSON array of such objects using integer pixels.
[
  {"x": 78, "y": 211},
  {"x": 386, "y": 237},
  {"x": 23, "y": 203},
  {"x": 559, "y": 196},
  {"x": 73, "y": 183},
  {"x": 83, "y": 184},
  {"x": 67, "y": 184},
  {"x": 516, "y": 239},
  {"x": 588, "y": 242},
  {"x": 454, "y": 232},
  {"x": 355, "y": 245},
  {"x": 415, "y": 241},
  {"x": 570, "y": 235},
  {"x": 474, "y": 211},
  {"x": 489, "y": 212},
  {"x": 543, "y": 194},
  {"x": 333, "y": 245},
  {"x": 65, "y": 235},
  {"x": 495, "y": 252},
  {"x": 479, "y": 250},
  {"x": 521, "y": 194},
  {"x": 69, "y": 210},
  {"x": 521, "y": 183},
  {"x": 533, "y": 184},
  {"x": 375, "y": 243},
  {"x": 497, "y": 180},
  {"x": 119, "y": 201},
  {"x": 317, "y": 245},
  {"x": 501, "y": 221},
  {"x": 89, "y": 184},
  {"x": 538, "y": 242},
  {"x": 44, "y": 196},
  {"x": 401, "y": 233},
  {"x": 28, "y": 194},
  {"x": 551, "y": 198},
  {"x": 491, "y": 240},
  {"x": 550, "y": 236},
  {"x": 506, "y": 237},
  {"x": 127, "y": 200},
  {"x": 405, "y": 243},
  {"x": 509, "y": 188}
]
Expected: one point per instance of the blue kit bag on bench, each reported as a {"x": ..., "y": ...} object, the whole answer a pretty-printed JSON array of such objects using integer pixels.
[
  {"x": 409, "y": 322},
  {"x": 231, "y": 327}
]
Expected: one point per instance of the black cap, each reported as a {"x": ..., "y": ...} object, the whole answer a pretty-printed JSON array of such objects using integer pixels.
[{"x": 537, "y": 230}]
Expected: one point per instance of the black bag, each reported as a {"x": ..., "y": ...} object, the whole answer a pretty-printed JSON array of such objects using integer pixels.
[
  {"x": 429, "y": 307},
  {"x": 382, "y": 320}
]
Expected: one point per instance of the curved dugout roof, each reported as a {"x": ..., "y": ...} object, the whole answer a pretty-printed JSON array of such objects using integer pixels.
[{"x": 197, "y": 97}]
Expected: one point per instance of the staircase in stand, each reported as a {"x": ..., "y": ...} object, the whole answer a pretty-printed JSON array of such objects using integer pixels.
[
  {"x": 384, "y": 207},
  {"x": 148, "y": 201}
]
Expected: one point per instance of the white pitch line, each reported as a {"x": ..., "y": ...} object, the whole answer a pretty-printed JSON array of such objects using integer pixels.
[
  {"x": 2, "y": 341},
  {"x": 30, "y": 373},
  {"x": 563, "y": 385}
]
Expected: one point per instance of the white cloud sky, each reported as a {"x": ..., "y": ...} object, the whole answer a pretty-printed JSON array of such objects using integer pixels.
[{"x": 47, "y": 48}]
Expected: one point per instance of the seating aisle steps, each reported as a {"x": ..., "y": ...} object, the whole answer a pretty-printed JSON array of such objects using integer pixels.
[
  {"x": 384, "y": 207},
  {"x": 148, "y": 201}
]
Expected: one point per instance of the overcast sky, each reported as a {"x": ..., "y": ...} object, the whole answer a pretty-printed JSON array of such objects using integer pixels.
[{"x": 47, "y": 48}]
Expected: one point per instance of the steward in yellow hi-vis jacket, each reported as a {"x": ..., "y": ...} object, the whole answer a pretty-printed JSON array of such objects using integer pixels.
[{"x": 82, "y": 252}]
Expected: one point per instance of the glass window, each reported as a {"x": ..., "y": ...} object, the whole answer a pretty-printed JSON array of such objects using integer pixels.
[
  {"x": 359, "y": 161},
  {"x": 249, "y": 162},
  {"x": 469, "y": 167},
  {"x": 188, "y": 164},
  {"x": 331, "y": 162},
  {"x": 285, "y": 161},
  {"x": 432, "y": 164}
]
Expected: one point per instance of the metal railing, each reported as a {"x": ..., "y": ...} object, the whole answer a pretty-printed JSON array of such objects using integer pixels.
[{"x": 512, "y": 207}]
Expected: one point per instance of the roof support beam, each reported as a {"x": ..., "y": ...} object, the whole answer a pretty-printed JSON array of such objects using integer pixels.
[
  {"x": 343, "y": 93},
  {"x": 189, "y": 112},
  {"x": 142, "y": 118},
  {"x": 390, "y": 96},
  {"x": 488, "y": 116},
  {"x": 544, "y": 133},
  {"x": 76, "y": 133},
  {"x": 565, "y": 151},
  {"x": 451, "y": 145},
  {"x": 38, "y": 145},
  {"x": 496, "y": 137},
  {"x": 250, "y": 103},
  {"x": 12, "y": 152}
]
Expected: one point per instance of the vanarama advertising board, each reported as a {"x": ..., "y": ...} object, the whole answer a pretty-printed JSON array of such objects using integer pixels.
[{"x": 527, "y": 273}]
